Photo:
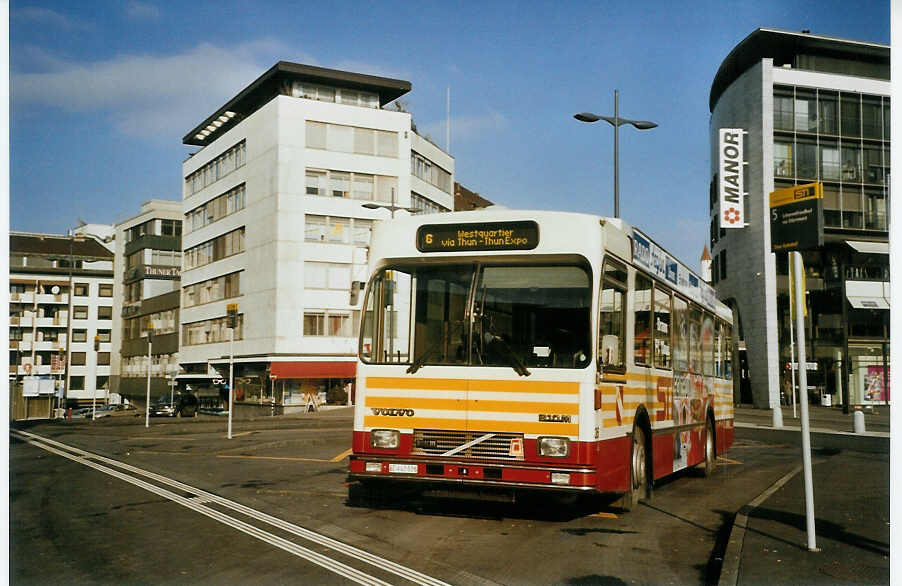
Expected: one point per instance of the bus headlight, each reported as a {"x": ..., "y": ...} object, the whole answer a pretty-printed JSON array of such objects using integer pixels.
[
  {"x": 554, "y": 447},
  {"x": 385, "y": 439}
]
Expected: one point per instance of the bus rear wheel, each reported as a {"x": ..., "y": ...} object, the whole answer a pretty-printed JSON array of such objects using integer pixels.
[
  {"x": 710, "y": 449},
  {"x": 640, "y": 487}
]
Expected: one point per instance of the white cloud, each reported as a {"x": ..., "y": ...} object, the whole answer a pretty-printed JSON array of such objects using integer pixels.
[
  {"x": 150, "y": 96},
  {"x": 47, "y": 17},
  {"x": 135, "y": 10}
]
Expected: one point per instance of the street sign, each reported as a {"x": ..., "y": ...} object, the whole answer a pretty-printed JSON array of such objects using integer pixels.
[{"x": 797, "y": 218}]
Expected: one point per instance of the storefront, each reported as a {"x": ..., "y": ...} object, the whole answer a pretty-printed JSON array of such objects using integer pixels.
[{"x": 288, "y": 386}]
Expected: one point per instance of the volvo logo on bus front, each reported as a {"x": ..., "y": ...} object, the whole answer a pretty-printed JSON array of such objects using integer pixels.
[{"x": 393, "y": 412}]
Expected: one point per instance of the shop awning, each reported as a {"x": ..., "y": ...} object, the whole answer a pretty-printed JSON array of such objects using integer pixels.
[
  {"x": 868, "y": 294},
  {"x": 869, "y": 247},
  {"x": 317, "y": 369}
]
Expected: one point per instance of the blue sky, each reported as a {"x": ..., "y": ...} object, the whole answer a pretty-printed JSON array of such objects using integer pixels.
[{"x": 102, "y": 92}]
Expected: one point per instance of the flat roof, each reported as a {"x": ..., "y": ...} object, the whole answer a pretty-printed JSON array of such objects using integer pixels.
[
  {"x": 269, "y": 85},
  {"x": 82, "y": 247},
  {"x": 782, "y": 46}
]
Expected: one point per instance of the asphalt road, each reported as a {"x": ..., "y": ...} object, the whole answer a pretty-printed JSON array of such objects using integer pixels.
[{"x": 74, "y": 524}]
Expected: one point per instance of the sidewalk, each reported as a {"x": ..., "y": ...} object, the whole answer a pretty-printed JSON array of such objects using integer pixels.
[{"x": 769, "y": 541}]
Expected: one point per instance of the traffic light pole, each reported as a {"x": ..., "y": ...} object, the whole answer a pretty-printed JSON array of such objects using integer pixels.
[
  {"x": 149, "y": 364},
  {"x": 231, "y": 376}
]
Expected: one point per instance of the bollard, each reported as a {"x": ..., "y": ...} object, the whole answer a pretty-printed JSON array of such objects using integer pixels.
[{"x": 858, "y": 421}]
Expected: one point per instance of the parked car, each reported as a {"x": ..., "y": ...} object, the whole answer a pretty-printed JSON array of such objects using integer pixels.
[{"x": 177, "y": 405}]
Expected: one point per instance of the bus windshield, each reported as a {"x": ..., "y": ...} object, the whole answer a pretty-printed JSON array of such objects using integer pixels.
[{"x": 518, "y": 316}]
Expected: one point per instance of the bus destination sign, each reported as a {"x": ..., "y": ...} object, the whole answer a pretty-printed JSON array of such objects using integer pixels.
[{"x": 522, "y": 235}]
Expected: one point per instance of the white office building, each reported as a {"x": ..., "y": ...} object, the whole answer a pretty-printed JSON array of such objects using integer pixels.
[{"x": 275, "y": 223}]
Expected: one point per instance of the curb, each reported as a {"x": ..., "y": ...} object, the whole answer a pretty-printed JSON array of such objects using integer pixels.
[
  {"x": 729, "y": 572},
  {"x": 873, "y": 442}
]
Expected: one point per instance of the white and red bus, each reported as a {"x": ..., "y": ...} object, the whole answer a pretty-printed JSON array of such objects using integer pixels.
[{"x": 522, "y": 350}]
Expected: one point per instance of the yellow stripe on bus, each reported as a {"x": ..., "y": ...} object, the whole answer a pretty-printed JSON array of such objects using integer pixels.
[
  {"x": 452, "y": 384},
  {"x": 473, "y": 405},
  {"x": 374, "y": 421}
]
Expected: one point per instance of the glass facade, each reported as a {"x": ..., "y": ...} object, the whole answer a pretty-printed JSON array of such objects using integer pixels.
[{"x": 840, "y": 139}]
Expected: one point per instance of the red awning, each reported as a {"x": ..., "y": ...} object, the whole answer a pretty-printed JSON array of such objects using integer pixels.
[{"x": 313, "y": 369}]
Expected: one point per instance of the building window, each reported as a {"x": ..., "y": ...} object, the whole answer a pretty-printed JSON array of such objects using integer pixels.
[
  {"x": 80, "y": 312},
  {"x": 211, "y": 331},
  {"x": 103, "y": 359},
  {"x": 80, "y": 335},
  {"x": 104, "y": 312},
  {"x": 431, "y": 173},
  {"x": 314, "y": 324},
  {"x": 78, "y": 358},
  {"x": 783, "y": 159},
  {"x": 76, "y": 383},
  {"x": 782, "y": 111},
  {"x": 216, "y": 169},
  {"x": 351, "y": 139},
  {"x": 316, "y": 182},
  {"x": 723, "y": 264},
  {"x": 81, "y": 289},
  {"x": 171, "y": 227},
  {"x": 224, "y": 287},
  {"x": 422, "y": 205},
  {"x": 105, "y": 290},
  {"x": 337, "y": 230},
  {"x": 102, "y": 383},
  {"x": 103, "y": 335},
  {"x": 830, "y": 166},
  {"x": 216, "y": 209},
  {"x": 216, "y": 249},
  {"x": 323, "y": 275}
]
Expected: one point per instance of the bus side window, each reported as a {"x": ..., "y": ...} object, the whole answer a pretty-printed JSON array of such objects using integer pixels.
[
  {"x": 642, "y": 312},
  {"x": 662, "y": 328},
  {"x": 612, "y": 318}
]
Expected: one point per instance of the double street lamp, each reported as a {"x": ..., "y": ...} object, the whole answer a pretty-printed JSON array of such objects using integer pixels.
[{"x": 616, "y": 121}]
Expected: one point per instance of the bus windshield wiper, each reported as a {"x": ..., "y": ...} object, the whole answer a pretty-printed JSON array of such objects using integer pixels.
[
  {"x": 419, "y": 362},
  {"x": 516, "y": 363}
]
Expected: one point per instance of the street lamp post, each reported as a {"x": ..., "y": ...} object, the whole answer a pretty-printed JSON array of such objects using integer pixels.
[
  {"x": 149, "y": 365},
  {"x": 393, "y": 207},
  {"x": 616, "y": 121}
]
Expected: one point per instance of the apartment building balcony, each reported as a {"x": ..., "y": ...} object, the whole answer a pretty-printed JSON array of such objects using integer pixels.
[
  {"x": 22, "y": 298},
  {"x": 60, "y": 298},
  {"x": 51, "y": 322},
  {"x": 49, "y": 346},
  {"x": 21, "y": 321}
]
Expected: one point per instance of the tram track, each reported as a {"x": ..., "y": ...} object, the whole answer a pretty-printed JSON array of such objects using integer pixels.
[{"x": 221, "y": 510}]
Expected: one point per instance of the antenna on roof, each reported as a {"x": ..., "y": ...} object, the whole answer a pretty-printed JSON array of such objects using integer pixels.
[{"x": 80, "y": 223}]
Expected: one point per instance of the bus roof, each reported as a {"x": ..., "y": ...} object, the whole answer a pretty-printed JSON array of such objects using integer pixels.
[{"x": 508, "y": 231}]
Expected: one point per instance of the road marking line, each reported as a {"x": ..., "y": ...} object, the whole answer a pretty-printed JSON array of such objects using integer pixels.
[
  {"x": 725, "y": 460},
  {"x": 342, "y": 456},
  {"x": 171, "y": 438},
  {"x": 272, "y": 458},
  {"x": 293, "y": 548},
  {"x": 606, "y": 515},
  {"x": 242, "y": 433}
]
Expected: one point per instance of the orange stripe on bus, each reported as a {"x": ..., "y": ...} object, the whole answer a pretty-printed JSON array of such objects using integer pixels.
[
  {"x": 452, "y": 384},
  {"x": 473, "y": 405},
  {"x": 487, "y": 426}
]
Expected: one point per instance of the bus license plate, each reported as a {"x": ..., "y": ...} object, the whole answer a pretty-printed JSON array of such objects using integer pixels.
[{"x": 403, "y": 468}]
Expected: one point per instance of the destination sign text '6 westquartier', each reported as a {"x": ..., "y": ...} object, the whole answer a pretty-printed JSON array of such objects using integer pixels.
[{"x": 482, "y": 236}]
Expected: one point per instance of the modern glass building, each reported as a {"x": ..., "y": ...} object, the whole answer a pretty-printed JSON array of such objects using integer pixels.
[{"x": 815, "y": 109}]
